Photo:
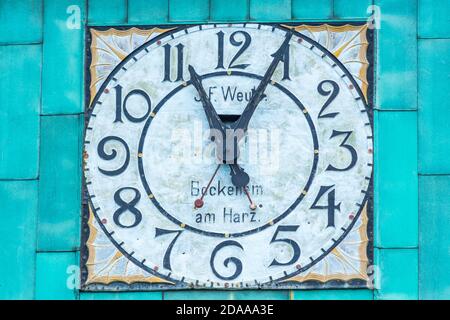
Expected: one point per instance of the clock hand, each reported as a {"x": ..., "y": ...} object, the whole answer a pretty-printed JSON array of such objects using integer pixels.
[
  {"x": 217, "y": 128},
  {"x": 253, "y": 205},
  {"x": 239, "y": 177},
  {"x": 198, "y": 203},
  {"x": 211, "y": 114},
  {"x": 258, "y": 94}
]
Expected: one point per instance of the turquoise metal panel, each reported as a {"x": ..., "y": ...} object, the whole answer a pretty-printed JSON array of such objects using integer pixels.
[
  {"x": 62, "y": 74},
  {"x": 20, "y": 21},
  {"x": 351, "y": 9},
  {"x": 434, "y": 257},
  {"x": 396, "y": 184},
  {"x": 230, "y": 10},
  {"x": 197, "y": 295},
  {"x": 107, "y": 11},
  {"x": 60, "y": 183},
  {"x": 318, "y": 9},
  {"x": 53, "y": 272},
  {"x": 227, "y": 295},
  {"x": 155, "y": 295},
  {"x": 359, "y": 294},
  {"x": 396, "y": 274},
  {"x": 193, "y": 10},
  {"x": 260, "y": 295},
  {"x": 270, "y": 10},
  {"x": 20, "y": 73},
  {"x": 434, "y": 115},
  {"x": 397, "y": 55},
  {"x": 434, "y": 19},
  {"x": 148, "y": 12},
  {"x": 18, "y": 237}
]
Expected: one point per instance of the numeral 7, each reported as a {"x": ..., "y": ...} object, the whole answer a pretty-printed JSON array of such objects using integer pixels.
[{"x": 161, "y": 232}]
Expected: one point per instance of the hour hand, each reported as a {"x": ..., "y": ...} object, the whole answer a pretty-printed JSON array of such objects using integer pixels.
[
  {"x": 211, "y": 114},
  {"x": 239, "y": 177}
]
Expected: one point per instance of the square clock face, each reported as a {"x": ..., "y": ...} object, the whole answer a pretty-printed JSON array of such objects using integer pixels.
[{"x": 228, "y": 156}]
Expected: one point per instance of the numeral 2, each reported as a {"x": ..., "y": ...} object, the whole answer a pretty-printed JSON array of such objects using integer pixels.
[{"x": 332, "y": 95}]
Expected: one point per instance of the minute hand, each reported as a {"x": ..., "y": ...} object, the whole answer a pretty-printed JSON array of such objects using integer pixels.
[
  {"x": 258, "y": 94},
  {"x": 211, "y": 114}
]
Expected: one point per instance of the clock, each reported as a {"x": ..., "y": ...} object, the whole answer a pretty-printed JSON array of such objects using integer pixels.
[{"x": 228, "y": 155}]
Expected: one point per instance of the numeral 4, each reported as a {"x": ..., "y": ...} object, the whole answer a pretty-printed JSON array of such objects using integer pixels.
[{"x": 331, "y": 203}]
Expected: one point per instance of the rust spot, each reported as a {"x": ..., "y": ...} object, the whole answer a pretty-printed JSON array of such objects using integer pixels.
[
  {"x": 104, "y": 221},
  {"x": 370, "y": 150},
  {"x": 155, "y": 268},
  {"x": 351, "y": 216},
  {"x": 298, "y": 266},
  {"x": 106, "y": 90},
  {"x": 158, "y": 42},
  {"x": 299, "y": 40},
  {"x": 350, "y": 86},
  {"x": 85, "y": 155}
]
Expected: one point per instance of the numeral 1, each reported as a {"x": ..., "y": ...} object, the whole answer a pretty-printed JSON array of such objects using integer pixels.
[
  {"x": 167, "y": 62},
  {"x": 285, "y": 60}
]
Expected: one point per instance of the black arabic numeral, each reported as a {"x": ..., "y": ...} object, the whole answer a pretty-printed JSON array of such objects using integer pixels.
[
  {"x": 285, "y": 59},
  {"x": 292, "y": 243},
  {"x": 167, "y": 65},
  {"x": 331, "y": 203},
  {"x": 352, "y": 150},
  {"x": 332, "y": 95},
  {"x": 220, "y": 35},
  {"x": 233, "y": 260},
  {"x": 122, "y": 106},
  {"x": 166, "y": 259},
  {"x": 111, "y": 156},
  {"x": 127, "y": 206},
  {"x": 243, "y": 44}
]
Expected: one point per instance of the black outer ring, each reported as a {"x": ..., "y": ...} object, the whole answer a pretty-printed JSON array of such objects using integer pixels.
[
  {"x": 251, "y": 231},
  {"x": 181, "y": 284}
]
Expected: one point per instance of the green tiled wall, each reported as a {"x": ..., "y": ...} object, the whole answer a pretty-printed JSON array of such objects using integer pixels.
[{"x": 42, "y": 102}]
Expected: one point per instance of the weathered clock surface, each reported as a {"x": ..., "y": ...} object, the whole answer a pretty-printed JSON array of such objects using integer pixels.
[{"x": 219, "y": 155}]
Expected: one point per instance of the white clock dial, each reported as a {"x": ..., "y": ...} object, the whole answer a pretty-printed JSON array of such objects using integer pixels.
[{"x": 168, "y": 204}]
